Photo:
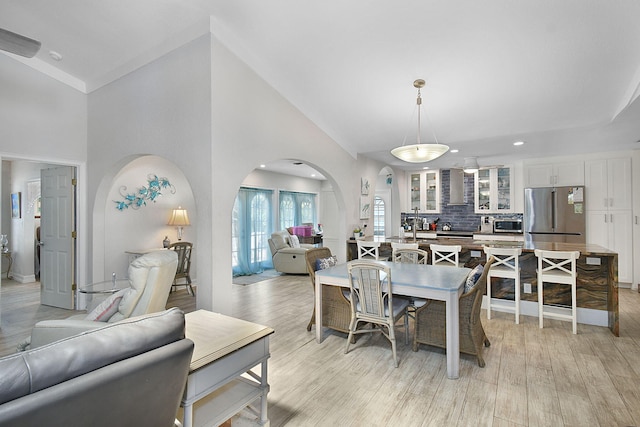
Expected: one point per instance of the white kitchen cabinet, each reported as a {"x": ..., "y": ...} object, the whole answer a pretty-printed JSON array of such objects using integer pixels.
[
  {"x": 554, "y": 174},
  {"x": 424, "y": 191},
  {"x": 608, "y": 184},
  {"x": 608, "y": 201},
  {"x": 494, "y": 190},
  {"x": 613, "y": 230}
]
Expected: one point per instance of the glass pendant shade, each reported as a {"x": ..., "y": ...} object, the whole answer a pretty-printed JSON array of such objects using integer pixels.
[{"x": 418, "y": 152}]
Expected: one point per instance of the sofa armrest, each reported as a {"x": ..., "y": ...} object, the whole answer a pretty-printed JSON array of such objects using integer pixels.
[
  {"x": 306, "y": 246},
  {"x": 48, "y": 331}
]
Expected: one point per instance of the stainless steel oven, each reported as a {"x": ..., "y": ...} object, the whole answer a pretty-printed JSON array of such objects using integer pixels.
[{"x": 507, "y": 225}]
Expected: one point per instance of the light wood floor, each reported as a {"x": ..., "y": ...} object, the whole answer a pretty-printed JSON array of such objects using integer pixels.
[{"x": 532, "y": 377}]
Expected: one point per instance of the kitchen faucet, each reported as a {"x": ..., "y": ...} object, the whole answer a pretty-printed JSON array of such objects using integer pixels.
[{"x": 415, "y": 223}]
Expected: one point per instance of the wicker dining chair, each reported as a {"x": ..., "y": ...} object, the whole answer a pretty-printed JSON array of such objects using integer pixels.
[
  {"x": 431, "y": 324},
  {"x": 336, "y": 308},
  {"x": 372, "y": 302},
  {"x": 411, "y": 256}
]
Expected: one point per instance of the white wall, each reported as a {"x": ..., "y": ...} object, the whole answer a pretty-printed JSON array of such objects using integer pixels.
[
  {"x": 145, "y": 227},
  {"x": 40, "y": 117},
  {"x": 162, "y": 109},
  {"x": 253, "y": 124},
  {"x": 43, "y": 120}
]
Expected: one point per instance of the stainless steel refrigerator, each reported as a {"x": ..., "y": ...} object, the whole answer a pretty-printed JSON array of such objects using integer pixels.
[{"x": 554, "y": 215}]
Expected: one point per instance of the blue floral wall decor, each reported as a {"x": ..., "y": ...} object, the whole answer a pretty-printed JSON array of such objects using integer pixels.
[{"x": 147, "y": 193}]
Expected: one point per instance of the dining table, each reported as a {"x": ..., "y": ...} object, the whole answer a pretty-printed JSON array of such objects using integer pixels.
[{"x": 437, "y": 282}]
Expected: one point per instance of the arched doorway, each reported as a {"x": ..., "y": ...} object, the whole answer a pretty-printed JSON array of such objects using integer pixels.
[{"x": 118, "y": 229}]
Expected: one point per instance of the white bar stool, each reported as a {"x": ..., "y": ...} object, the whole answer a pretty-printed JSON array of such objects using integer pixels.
[
  {"x": 557, "y": 267},
  {"x": 448, "y": 254},
  {"x": 369, "y": 250},
  {"x": 507, "y": 266}
]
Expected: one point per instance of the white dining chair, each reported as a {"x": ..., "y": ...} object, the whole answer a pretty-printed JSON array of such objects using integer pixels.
[{"x": 373, "y": 303}]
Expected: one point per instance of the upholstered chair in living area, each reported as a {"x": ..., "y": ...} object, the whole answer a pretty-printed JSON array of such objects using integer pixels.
[
  {"x": 150, "y": 280},
  {"x": 431, "y": 325},
  {"x": 336, "y": 308},
  {"x": 287, "y": 253}
]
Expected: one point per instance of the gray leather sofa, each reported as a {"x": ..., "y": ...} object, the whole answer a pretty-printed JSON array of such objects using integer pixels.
[{"x": 128, "y": 373}]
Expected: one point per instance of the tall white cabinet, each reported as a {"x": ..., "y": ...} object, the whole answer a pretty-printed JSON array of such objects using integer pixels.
[
  {"x": 424, "y": 191},
  {"x": 609, "y": 210}
]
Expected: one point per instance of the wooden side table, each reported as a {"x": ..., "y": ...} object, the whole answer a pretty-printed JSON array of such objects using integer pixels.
[{"x": 221, "y": 381}]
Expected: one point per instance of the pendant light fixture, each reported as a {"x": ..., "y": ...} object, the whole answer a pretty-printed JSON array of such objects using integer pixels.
[
  {"x": 470, "y": 165},
  {"x": 419, "y": 152}
]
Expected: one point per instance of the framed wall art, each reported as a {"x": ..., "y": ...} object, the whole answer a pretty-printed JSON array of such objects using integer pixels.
[
  {"x": 365, "y": 207},
  {"x": 16, "y": 211},
  {"x": 364, "y": 186}
]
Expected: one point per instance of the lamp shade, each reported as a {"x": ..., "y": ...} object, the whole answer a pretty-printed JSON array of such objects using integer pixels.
[{"x": 179, "y": 217}]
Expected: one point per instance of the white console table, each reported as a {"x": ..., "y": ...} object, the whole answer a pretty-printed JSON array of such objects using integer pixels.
[{"x": 220, "y": 382}]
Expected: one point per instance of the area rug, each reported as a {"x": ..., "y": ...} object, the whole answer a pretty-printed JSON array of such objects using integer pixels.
[{"x": 255, "y": 278}]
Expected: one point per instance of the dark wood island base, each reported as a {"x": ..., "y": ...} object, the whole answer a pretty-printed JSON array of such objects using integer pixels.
[{"x": 597, "y": 284}]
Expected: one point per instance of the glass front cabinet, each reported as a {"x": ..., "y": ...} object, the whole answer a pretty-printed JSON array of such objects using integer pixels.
[
  {"x": 424, "y": 191},
  {"x": 494, "y": 190}
]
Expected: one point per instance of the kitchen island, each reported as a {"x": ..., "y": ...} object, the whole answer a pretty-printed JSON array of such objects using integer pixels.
[{"x": 597, "y": 268}]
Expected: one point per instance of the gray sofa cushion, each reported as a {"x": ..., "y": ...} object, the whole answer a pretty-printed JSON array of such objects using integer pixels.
[{"x": 30, "y": 371}]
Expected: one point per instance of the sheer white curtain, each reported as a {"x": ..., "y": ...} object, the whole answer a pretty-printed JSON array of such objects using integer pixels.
[{"x": 251, "y": 229}]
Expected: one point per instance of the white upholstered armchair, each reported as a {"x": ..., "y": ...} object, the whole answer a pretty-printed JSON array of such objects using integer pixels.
[{"x": 150, "y": 279}]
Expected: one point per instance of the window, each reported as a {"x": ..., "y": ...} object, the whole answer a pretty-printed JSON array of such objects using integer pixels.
[
  {"x": 378, "y": 216},
  {"x": 297, "y": 209},
  {"x": 251, "y": 229}
]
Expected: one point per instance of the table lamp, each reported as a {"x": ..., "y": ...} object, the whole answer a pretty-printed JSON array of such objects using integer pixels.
[{"x": 179, "y": 218}]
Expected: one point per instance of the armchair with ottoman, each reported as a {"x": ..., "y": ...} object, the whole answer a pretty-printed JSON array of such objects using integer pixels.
[
  {"x": 287, "y": 253},
  {"x": 128, "y": 373}
]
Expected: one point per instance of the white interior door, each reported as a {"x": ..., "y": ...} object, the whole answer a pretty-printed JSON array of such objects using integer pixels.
[{"x": 57, "y": 237}]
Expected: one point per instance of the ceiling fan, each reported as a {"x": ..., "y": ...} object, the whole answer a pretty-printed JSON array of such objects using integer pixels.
[{"x": 18, "y": 44}]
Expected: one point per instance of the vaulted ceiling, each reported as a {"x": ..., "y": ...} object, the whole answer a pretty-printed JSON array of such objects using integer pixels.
[{"x": 561, "y": 75}]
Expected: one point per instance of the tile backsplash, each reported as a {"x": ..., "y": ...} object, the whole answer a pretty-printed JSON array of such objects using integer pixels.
[{"x": 461, "y": 217}]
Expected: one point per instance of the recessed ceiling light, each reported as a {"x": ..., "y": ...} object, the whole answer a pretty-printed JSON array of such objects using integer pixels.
[
  {"x": 263, "y": 166},
  {"x": 55, "y": 55},
  {"x": 313, "y": 175},
  {"x": 453, "y": 151},
  {"x": 518, "y": 143},
  {"x": 426, "y": 167}
]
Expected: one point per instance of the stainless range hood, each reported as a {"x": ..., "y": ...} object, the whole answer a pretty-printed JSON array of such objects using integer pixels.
[{"x": 456, "y": 187}]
